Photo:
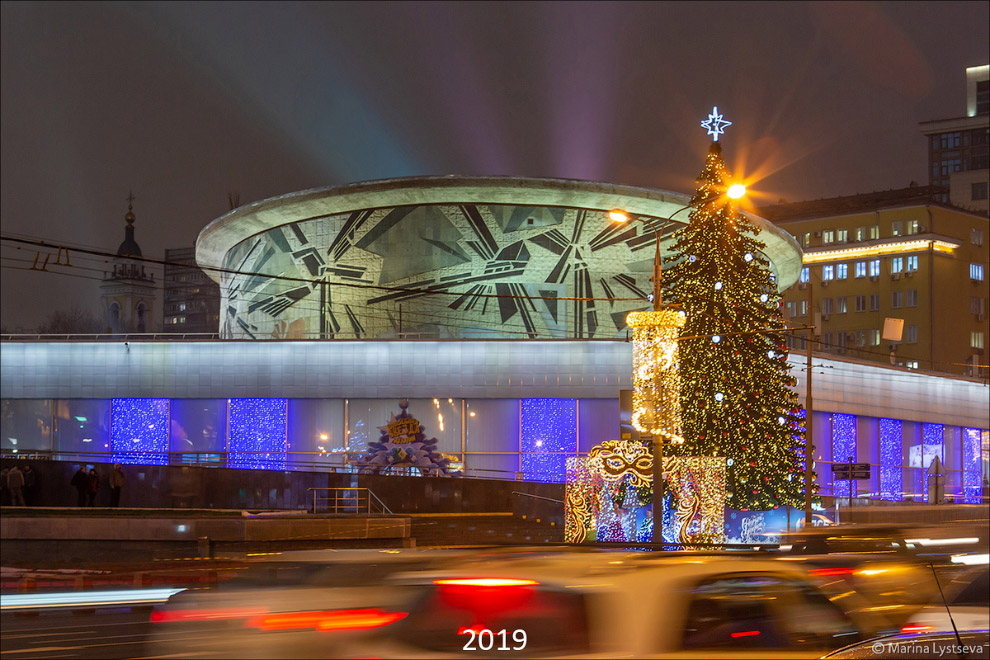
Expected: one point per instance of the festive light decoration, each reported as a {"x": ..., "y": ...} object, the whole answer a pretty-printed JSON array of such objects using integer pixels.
[
  {"x": 891, "y": 441},
  {"x": 932, "y": 445},
  {"x": 696, "y": 486},
  {"x": 895, "y": 247},
  {"x": 733, "y": 392},
  {"x": 547, "y": 433},
  {"x": 656, "y": 374},
  {"x": 843, "y": 448},
  {"x": 715, "y": 124},
  {"x": 404, "y": 444},
  {"x": 139, "y": 431},
  {"x": 972, "y": 482},
  {"x": 580, "y": 522},
  {"x": 257, "y": 439}
]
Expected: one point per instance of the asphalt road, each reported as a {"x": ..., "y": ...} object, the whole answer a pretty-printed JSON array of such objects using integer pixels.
[{"x": 110, "y": 634}]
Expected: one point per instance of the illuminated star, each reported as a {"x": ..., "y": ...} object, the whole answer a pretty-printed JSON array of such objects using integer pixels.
[{"x": 715, "y": 124}]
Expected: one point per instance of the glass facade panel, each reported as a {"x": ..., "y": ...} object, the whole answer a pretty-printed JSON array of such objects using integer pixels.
[
  {"x": 547, "y": 434},
  {"x": 891, "y": 437},
  {"x": 598, "y": 421},
  {"x": 933, "y": 446},
  {"x": 438, "y": 418},
  {"x": 139, "y": 431},
  {"x": 82, "y": 426},
  {"x": 257, "y": 434},
  {"x": 316, "y": 433},
  {"x": 972, "y": 466},
  {"x": 197, "y": 430},
  {"x": 493, "y": 425},
  {"x": 866, "y": 452},
  {"x": 492, "y": 466},
  {"x": 26, "y": 425},
  {"x": 843, "y": 447}
]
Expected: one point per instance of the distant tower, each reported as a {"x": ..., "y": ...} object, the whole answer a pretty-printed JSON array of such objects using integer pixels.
[{"x": 128, "y": 294}]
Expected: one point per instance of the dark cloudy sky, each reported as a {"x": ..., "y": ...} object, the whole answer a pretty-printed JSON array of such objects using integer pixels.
[{"x": 185, "y": 103}]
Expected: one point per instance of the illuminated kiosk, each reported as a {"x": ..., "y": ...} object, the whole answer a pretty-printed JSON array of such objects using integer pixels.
[{"x": 446, "y": 257}]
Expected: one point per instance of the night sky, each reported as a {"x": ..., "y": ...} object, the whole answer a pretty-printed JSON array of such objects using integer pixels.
[{"x": 184, "y": 104}]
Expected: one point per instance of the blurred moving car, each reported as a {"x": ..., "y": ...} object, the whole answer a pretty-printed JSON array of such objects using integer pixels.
[
  {"x": 969, "y": 645},
  {"x": 614, "y": 605},
  {"x": 967, "y": 597}
]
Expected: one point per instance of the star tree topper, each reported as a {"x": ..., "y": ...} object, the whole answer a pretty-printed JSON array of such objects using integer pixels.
[{"x": 715, "y": 124}]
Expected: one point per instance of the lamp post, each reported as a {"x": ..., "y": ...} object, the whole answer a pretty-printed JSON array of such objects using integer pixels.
[{"x": 655, "y": 369}]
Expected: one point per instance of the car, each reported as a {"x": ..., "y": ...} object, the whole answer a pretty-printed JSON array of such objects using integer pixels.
[
  {"x": 967, "y": 597},
  {"x": 638, "y": 605},
  {"x": 969, "y": 645}
]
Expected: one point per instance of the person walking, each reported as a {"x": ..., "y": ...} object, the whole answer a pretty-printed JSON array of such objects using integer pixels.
[
  {"x": 116, "y": 483},
  {"x": 15, "y": 483},
  {"x": 94, "y": 487},
  {"x": 30, "y": 486},
  {"x": 80, "y": 481}
]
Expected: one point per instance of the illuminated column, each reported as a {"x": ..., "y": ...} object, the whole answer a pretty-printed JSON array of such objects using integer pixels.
[{"x": 656, "y": 375}]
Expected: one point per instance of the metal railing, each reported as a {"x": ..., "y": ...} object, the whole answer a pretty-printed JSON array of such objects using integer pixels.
[{"x": 347, "y": 500}]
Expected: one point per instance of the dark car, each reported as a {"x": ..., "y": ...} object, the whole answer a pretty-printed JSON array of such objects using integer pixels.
[{"x": 972, "y": 644}]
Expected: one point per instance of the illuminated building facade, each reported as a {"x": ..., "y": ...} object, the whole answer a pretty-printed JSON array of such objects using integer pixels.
[{"x": 895, "y": 254}]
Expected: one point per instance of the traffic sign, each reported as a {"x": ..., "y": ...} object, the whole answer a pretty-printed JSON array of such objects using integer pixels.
[{"x": 857, "y": 471}]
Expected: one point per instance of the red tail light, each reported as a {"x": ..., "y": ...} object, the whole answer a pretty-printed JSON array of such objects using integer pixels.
[
  {"x": 326, "y": 621},
  {"x": 823, "y": 572},
  {"x": 745, "y": 633},
  {"x": 486, "y": 582},
  {"x": 168, "y": 616},
  {"x": 916, "y": 628}
]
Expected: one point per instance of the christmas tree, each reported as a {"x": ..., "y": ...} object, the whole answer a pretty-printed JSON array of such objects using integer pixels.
[{"x": 736, "y": 399}]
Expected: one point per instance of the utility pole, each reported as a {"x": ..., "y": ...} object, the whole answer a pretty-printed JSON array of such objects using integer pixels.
[{"x": 809, "y": 446}]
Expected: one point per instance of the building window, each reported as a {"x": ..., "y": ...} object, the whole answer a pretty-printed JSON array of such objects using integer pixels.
[
  {"x": 828, "y": 273},
  {"x": 860, "y": 269},
  {"x": 950, "y": 140},
  {"x": 841, "y": 305},
  {"x": 791, "y": 310},
  {"x": 805, "y": 274},
  {"x": 912, "y": 298},
  {"x": 976, "y": 235},
  {"x": 979, "y": 191},
  {"x": 912, "y": 263},
  {"x": 911, "y": 334},
  {"x": 860, "y": 303},
  {"x": 840, "y": 339},
  {"x": 976, "y": 272},
  {"x": 911, "y": 364},
  {"x": 860, "y": 338},
  {"x": 950, "y": 166},
  {"x": 842, "y": 235},
  {"x": 976, "y": 339},
  {"x": 896, "y": 264},
  {"x": 182, "y": 307},
  {"x": 804, "y": 308},
  {"x": 875, "y": 268},
  {"x": 874, "y": 232},
  {"x": 874, "y": 337},
  {"x": 896, "y": 228},
  {"x": 828, "y": 236},
  {"x": 842, "y": 271},
  {"x": 912, "y": 227},
  {"x": 827, "y": 306},
  {"x": 897, "y": 299},
  {"x": 976, "y": 305},
  {"x": 806, "y": 239},
  {"x": 874, "y": 302}
]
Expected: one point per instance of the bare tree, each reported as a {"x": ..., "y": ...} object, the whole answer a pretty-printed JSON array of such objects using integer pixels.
[{"x": 74, "y": 321}]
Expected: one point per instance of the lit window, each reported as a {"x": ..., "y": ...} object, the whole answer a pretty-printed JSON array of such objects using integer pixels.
[
  {"x": 860, "y": 303},
  {"x": 912, "y": 263},
  {"x": 874, "y": 302},
  {"x": 842, "y": 235},
  {"x": 912, "y": 298},
  {"x": 826, "y": 306},
  {"x": 897, "y": 228},
  {"x": 976, "y": 235},
  {"x": 804, "y": 308},
  {"x": 874, "y": 268},
  {"x": 912, "y": 227},
  {"x": 828, "y": 273},
  {"x": 860, "y": 269},
  {"x": 911, "y": 364},
  {"x": 805, "y": 274},
  {"x": 976, "y": 272},
  {"x": 874, "y": 337},
  {"x": 874, "y": 232},
  {"x": 860, "y": 233},
  {"x": 828, "y": 236},
  {"x": 842, "y": 271},
  {"x": 841, "y": 306},
  {"x": 896, "y": 264},
  {"x": 182, "y": 307},
  {"x": 911, "y": 334},
  {"x": 976, "y": 339},
  {"x": 806, "y": 239},
  {"x": 897, "y": 299},
  {"x": 791, "y": 310}
]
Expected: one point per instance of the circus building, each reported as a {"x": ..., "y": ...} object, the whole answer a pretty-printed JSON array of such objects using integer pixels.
[{"x": 447, "y": 257}]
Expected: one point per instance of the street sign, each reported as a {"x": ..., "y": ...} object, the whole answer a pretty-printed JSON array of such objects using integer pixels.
[{"x": 846, "y": 471}]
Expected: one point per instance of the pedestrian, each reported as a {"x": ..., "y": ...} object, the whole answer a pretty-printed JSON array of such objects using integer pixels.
[
  {"x": 80, "y": 481},
  {"x": 15, "y": 482},
  {"x": 94, "y": 487},
  {"x": 116, "y": 483},
  {"x": 30, "y": 486}
]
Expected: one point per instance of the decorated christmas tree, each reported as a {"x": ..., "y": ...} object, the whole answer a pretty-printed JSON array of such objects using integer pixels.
[{"x": 736, "y": 399}]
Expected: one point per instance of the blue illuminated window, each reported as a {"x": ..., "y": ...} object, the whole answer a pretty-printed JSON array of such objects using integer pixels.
[
  {"x": 828, "y": 273},
  {"x": 257, "y": 434},
  {"x": 874, "y": 267},
  {"x": 843, "y": 447},
  {"x": 891, "y": 439},
  {"x": 139, "y": 431},
  {"x": 932, "y": 446},
  {"x": 548, "y": 433},
  {"x": 972, "y": 481}
]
